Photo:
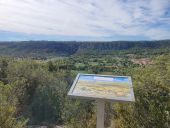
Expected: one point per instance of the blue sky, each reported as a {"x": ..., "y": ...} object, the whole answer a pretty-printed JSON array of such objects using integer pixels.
[
  {"x": 102, "y": 78},
  {"x": 81, "y": 20}
]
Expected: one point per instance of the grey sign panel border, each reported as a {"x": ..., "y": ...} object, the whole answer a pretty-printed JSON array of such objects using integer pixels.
[{"x": 117, "y": 99}]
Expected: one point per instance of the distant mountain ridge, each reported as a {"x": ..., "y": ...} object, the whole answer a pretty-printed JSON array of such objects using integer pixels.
[{"x": 59, "y": 48}]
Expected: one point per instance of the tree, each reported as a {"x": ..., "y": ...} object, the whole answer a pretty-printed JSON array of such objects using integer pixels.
[
  {"x": 48, "y": 103},
  {"x": 151, "y": 108},
  {"x": 51, "y": 66},
  {"x": 79, "y": 114},
  {"x": 8, "y": 109},
  {"x": 3, "y": 70}
]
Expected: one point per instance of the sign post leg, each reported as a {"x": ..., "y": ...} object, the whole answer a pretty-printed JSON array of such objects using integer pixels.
[{"x": 100, "y": 113}]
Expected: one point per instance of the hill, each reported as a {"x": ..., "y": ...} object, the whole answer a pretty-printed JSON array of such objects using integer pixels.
[{"x": 66, "y": 48}]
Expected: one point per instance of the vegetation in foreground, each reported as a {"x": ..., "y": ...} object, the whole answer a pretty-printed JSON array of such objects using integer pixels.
[{"x": 35, "y": 92}]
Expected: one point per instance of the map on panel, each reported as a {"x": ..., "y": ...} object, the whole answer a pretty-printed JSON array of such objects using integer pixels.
[{"x": 103, "y": 86}]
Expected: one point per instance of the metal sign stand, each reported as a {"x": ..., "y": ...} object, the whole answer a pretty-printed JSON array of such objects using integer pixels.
[{"x": 100, "y": 113}]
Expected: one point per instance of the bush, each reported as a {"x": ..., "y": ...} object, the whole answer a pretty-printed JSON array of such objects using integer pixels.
[{"x": 152, "y": 89}]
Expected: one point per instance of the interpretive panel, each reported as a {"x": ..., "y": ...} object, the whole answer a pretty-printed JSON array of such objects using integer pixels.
[{"x": 117, "y": 88}]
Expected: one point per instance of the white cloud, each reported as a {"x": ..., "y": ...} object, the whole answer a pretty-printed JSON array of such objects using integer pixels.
[
  {"x": 98, "y": 18},
  {"x": 157, "y": 34}
]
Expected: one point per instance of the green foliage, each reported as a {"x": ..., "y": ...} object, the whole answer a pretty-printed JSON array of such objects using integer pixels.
[
  {"x": 27, "y": 76},
  {"x": 48, "y": 103},
  {"x": 152, "y": 105},
  {"x": 38, "y": 90},
  {"x": 40, "y": 94},
  {"x": 3, "y": 69},
  {"x": 79, "y": 114},
  {"x": 8, "y": 108},
  {"x": 46, "y": 49}
]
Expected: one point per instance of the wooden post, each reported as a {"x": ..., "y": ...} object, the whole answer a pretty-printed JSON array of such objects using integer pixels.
[{"x": 100, "y": 113}]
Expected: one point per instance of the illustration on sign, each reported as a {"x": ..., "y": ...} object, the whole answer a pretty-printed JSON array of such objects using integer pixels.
[{"x": 102, "y": 86}]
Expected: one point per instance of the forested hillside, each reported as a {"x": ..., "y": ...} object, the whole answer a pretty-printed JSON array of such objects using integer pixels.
[
  {"x": 47, "y": 49},
  {"x": 33, "y": 92}
]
